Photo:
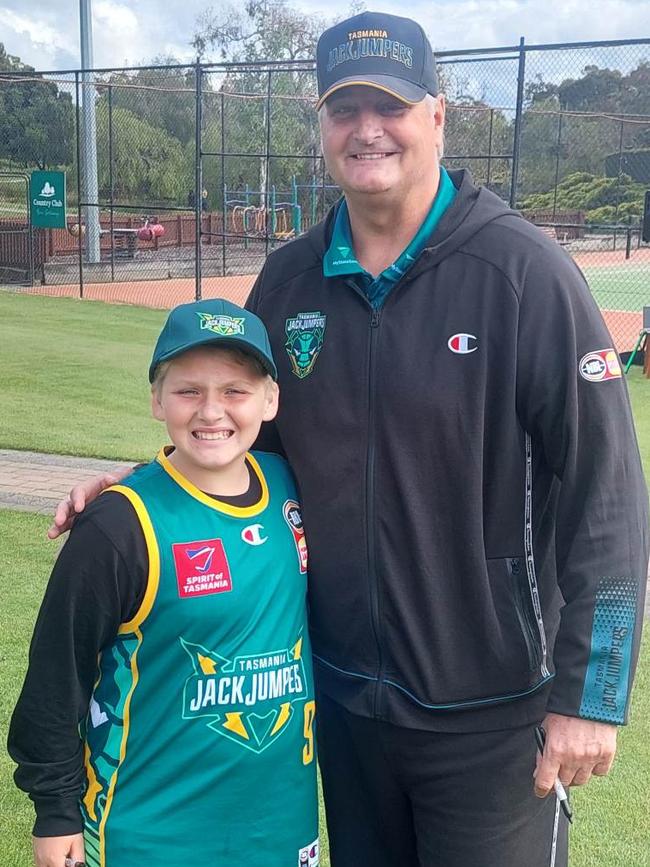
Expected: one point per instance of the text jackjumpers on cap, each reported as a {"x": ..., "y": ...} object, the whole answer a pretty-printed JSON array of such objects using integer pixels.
[
  {"x": 214, "y": 321},
  {"x": 378, "y": 50}
]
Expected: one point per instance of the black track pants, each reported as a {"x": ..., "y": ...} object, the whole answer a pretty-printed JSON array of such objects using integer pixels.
[{"x": 396, "y": 797}]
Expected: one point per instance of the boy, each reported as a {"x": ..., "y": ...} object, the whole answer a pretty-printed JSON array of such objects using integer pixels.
[{"x": 167, "y": 713}]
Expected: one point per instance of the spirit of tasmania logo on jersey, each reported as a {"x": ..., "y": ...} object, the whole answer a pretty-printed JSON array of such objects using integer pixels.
[{"x": 201, "y": 568}]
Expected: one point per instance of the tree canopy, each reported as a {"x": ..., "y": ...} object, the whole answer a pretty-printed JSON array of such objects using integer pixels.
[{"x": 36, "y": 118}]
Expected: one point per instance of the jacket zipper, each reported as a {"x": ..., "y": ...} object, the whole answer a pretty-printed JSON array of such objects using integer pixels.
[
  {"x": 514, "y": 568},
  {"x": 370, "y": 509}
]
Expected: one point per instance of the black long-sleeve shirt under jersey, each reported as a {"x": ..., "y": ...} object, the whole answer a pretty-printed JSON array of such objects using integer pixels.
[{"x": 97, "y": 583}]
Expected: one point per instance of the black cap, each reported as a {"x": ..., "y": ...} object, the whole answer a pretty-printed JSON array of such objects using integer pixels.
[{"x": 377, "y": 50}]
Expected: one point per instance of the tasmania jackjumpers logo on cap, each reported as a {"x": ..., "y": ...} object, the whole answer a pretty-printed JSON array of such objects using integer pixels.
[
  {"x": 201, "y": 568},
  {"x": 383, "y": 51}
]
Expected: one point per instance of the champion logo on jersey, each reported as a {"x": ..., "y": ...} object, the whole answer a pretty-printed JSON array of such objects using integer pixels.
[
  {"x": 201, "y": 568},
  {"x": 253, "y": 534},
  {"x": 462, "y": 344}
]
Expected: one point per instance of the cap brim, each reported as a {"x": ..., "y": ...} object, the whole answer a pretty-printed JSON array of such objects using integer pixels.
[
  {"x": 405, "y": 91},
  {"x": 227, "y": 343}
]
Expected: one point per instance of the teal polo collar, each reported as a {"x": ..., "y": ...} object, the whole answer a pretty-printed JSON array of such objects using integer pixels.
[{"x": 340, "y": 260}]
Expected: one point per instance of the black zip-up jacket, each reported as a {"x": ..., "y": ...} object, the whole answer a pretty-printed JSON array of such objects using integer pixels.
[{"x": 472, "y": 492}]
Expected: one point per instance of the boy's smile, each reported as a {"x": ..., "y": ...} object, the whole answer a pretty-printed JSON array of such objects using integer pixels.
[{"x": 213, "y": 405}]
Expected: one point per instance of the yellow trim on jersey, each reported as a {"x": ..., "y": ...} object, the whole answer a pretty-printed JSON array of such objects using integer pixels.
[
  {"x": 153, "y": 578},
  {"x": 207, "y": 500},
  {"x": 350, "y": 83},
  {"x": 133, "y": 627},
  {"x": 125, "y": 735}
]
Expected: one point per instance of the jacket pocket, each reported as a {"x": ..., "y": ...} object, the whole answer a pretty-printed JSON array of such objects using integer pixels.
[{"x": 516, "y": 567}]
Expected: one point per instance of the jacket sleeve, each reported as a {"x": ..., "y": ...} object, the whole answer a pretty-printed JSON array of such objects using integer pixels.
[
  {"x": 92, "y": 589},
  {"x": 573, "y": 403}
]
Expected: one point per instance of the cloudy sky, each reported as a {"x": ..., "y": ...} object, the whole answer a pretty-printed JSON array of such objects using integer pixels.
[{"x": 45, "y": 33}]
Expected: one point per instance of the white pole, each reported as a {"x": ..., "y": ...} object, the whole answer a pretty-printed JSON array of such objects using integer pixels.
[{"x": 89, "y": 188}]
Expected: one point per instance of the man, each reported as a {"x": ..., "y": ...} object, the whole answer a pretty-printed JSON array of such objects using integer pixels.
[{"x": 474, "y": 504}]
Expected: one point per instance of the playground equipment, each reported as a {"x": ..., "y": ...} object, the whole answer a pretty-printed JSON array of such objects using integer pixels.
[
  {"x": 125, "y": 239},
  {"x": 280, "y": 219},
  {"x": 276, "y": 215}
]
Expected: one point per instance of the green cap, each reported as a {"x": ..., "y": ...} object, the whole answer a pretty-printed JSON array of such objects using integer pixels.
[{"x": 214, "y": 321}]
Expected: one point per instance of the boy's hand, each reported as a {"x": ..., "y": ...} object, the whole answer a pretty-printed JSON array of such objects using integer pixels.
[
  {"x": 79, "y": 498},
  {"x": 52, "y": 851}
]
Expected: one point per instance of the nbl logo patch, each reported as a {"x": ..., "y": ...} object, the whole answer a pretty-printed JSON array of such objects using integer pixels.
[
  {"x": 291, "y": 512},
  {"x": 600, "y": 365},
  {"x": 201, "y": 568}
]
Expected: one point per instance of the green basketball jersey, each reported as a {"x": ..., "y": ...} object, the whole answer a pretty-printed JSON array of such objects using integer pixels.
[{"x": 199, "y": 737}]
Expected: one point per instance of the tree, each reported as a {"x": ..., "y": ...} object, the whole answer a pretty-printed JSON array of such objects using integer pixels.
[
  {"x": 163, "y": 97},
  {"x": 475, "y": 133},
  {"x": 36, "y": 118},
  {"x": 262, "y": 30},
  {"x": 603, "y": 200},
  {"x": 147, "y": 163}
]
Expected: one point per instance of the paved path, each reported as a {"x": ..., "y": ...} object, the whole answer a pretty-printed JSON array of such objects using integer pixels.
[{"x": 34, "y": 482}]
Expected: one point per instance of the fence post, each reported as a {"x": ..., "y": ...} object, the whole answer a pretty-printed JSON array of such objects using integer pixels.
[
  {"x": 80, "y": 227},
  {"x": 313, "y": 199},
  {"x": 557, "y": 161},
  {"x": 267, "y": 163},
  {"x": 224, "y": 191},
  {"x": 516, "y": 145},
  {"x": 198, "y": 181},
  {"x": 489, "y": 162},
  {"x": 247, "y": 197},
  {"x": 618, "y": 180},
  {"x": 110, "y": 181},
  {"x": 628, "y": 238}
]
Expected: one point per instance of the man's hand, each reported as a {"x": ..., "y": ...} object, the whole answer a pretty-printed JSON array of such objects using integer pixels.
[
  {"x": 52, "y": 851},
  {"x": 79, "y": 498},
  {"x": 575, "y": 749}
]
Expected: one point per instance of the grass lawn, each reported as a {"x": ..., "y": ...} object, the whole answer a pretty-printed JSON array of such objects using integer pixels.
[
  {"x": 639, "y": 388},
  {"x": 74, "y": 377}
]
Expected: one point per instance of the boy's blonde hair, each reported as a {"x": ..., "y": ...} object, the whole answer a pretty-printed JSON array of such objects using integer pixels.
[{"x": 239, "y": 356}]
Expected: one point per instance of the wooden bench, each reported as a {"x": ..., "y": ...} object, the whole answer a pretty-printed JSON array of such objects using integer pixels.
[{"x": 551, "y": 232}]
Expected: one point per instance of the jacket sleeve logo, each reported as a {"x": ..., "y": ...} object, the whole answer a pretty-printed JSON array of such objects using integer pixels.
[
  {"x": 600, "y": 365},
  {"x": 305, "y": 334}
]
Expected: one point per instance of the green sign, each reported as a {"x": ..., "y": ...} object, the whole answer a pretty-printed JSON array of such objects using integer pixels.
[{"x": 47, "y": 196}]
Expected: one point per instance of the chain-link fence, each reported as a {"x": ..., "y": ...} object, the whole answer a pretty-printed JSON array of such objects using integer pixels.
[{"x": 190, "y": 175}]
